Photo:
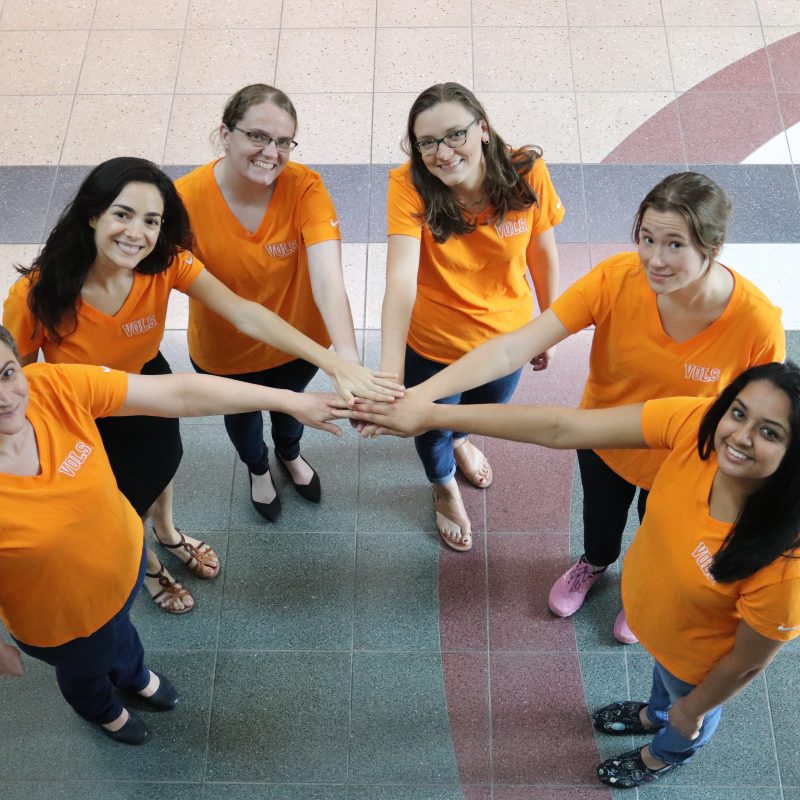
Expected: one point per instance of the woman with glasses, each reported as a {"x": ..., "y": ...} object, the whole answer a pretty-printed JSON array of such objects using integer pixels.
[
  {"x": 98, "y": 294},
  {"x": 267, "y": 229},
  {"x": 468, "y": 217}
]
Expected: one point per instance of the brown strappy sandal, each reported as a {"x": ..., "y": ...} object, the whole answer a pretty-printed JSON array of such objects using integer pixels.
[
  {"x": 199, "y": 555},
  {"x": 169, "y": 589}
]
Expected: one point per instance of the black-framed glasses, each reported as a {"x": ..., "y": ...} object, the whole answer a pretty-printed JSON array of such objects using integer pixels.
[
  {"x": 261, "y": 139},
  {"x": 429, "y": 145}
]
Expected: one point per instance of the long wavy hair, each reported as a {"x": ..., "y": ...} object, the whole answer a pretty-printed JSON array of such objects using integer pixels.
[
  {"x": 505, "y": 185},
  {"x": 768, "y": 525},
  {"x": 57, "y": 274}
]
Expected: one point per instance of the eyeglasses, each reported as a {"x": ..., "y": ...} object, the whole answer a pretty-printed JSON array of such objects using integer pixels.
[
  {"x": 263, "y": 140},
  {"x": 430, "y": 145}
]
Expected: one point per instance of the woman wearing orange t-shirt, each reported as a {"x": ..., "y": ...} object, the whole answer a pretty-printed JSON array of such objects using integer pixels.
[
  {"x": 98, "y": 293},
  {"x": 668, "y": 320},
  {"x": 468, "y": 218},
  {"x": 711, "y": 582},
  {"x": 62, "y": 598},
  {"x": 266, "y": 228}
]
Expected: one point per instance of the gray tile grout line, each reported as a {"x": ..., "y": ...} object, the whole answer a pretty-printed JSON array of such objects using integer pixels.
[
  {"x": 675, "y": 100},
  {"x": 772, "y": 732},
  {"x": 175, "y": 82}
]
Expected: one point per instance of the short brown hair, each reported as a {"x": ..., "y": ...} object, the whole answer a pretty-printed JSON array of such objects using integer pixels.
[
  {"x": 8, "y": 340},
  {"x": 252, "y": 95}
]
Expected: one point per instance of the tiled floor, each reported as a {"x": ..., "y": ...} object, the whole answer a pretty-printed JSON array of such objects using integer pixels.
[{"x": 342, "y": 654}]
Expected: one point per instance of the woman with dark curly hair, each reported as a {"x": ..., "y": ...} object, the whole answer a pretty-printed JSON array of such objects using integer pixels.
[{"x": 98, "y": 294}]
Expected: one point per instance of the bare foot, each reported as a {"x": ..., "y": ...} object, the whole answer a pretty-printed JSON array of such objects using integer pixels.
[
  {"x": 452, "y": 521},
  {"x": 117, "y": 723},
  {"x": 167, "y": 592},
  {"x": 262, "y": 489},
  {"x": 473, "y": 463},
  {"x": 299, "y": 471},
  {"x": 650, "y": 761}
]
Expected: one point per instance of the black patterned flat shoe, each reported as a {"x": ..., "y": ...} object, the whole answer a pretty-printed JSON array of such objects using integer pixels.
[
  {"x": 621, "y": 719},
  {"x": 627, "y": 771}
]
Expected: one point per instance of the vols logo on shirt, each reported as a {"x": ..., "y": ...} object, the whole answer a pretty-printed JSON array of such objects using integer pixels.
[
  {"x": 282, "y": 249},
  {"x": 74, "y": 461},
  {"x": 703, "y": 374},
  {"x": 140, "y": 325},
  {"x": 511, "y": 227},
  {"x": 704, "y": 557}
]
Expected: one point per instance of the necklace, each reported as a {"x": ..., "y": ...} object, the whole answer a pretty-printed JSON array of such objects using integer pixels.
[{"x": 481, "y": 201}]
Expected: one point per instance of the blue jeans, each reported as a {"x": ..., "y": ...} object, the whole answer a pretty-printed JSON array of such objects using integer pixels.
[
  {"x": 246, "y": 431},
  {"x": 435, "y": 448},
  {"x": 668, "y": 744},
  {"x": 89, "y": 668}
]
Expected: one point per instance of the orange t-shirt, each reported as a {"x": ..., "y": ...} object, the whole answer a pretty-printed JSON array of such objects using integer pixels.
[
  {"x": 685, "y": 619},
  {"x": 269, "y": 266},
  {"x": 70, "y": 543},
  {"x": 471, "y": 288},
  {"x": 125, "y": 341},
  {"x": 633, "y": 359}
]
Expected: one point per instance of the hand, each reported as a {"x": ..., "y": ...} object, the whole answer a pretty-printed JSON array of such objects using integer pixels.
[
  {"x": 352, "y": 380},
  {"x": 315, "y": 409},
  {"x": 406, "y": 416},
  {"x": 542, "y": 361},
  {"x": 10, "y": 661},
  {"x": 683, "y": 720}
]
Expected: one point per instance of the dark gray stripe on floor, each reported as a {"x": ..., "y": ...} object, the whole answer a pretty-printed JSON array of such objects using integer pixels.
[{"x": 600, "y": 199}]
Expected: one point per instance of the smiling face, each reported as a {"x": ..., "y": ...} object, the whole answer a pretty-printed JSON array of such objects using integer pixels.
[
  {"x": 669, "y": 256},
  {"x": 13, "y": 393},
  {"x": 753, "y": 435},
  {"x": 461, "y": 166},
  {"x": 257, "y": 164},
  {"x": 127, "y": 231}
]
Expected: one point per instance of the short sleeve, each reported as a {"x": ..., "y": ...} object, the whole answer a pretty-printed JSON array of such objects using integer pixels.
[
  {"x": 318, "y": 220},
  {"x": 404, "y": 205},
  {"x": 103, "y": 389},
  {"x": 575, "y": 308},
  {"x": 19, "y": 319},
  {"x": 773, "y": 610},
  {"x": 665, "y": 419},
  {"x": 187, "y": 269},
  {"x": 550, "y": 209}
]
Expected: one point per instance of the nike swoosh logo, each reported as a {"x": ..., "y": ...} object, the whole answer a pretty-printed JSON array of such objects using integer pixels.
[
  {"x": 782, "y": 628},
  {"x": 558, "y": 204},
  {"x": 334, "y": 223}
]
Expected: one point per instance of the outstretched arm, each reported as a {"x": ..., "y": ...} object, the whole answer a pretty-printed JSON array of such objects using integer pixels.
[
  {"x": 254, "y": 320},
  {"x": 497, "y": 357},
  {"x": 189, "y": 395},
  {"x": 550, "y": 426}
]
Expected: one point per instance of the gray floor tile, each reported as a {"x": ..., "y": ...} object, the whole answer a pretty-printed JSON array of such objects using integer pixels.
[
  {"x": 791, "y": 793},
  {"x": 69, "y": 748},
  {"x": 80, "y": 790},
  {"x": 280, "y": 717},
  {"x": 288, "y": 591},
  {"x": 613, "y": 193},
  {"x": 24, "y": 197},
  {"x": 67, "y": 182},
  {"x": 348, "y": 185},
  {"x": 605, "y": 680},
  {"x": 783, "y": 681},
  {"x": 755, "y": 191},
  {"x": 336, "y": 462},
  {"x": 397, "y": 597},
  {"x": 378, "y": 188},
  {"x": 400, "y": 732},
  {"x": 793, "y": 345},
  {"x": 568, "y": 180},
  {"x": 404, "y": 793},
  {"x": 196, "y": 630},
  {"x": 740, "y": 754},
  {"x": 263, "y": 791},
  {"x": 176, "y": 171},
  {"x": 716, "y": 793}
]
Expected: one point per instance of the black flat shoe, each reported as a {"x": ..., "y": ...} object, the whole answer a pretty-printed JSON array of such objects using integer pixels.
[
  {"x": 270, "y": 511},
  {"x": 134, "y": 731},
  {"x": 165, "y": 697},
  {"x": 310, "y": 491}
]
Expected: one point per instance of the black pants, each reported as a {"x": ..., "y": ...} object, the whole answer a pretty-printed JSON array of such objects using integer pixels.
[
  {"x": 246, "y": 431},
  {"x": 606, "y": 500}
]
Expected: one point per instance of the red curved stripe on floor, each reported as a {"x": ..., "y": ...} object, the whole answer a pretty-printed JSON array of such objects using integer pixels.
[{"x": 715, "y": 120}]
